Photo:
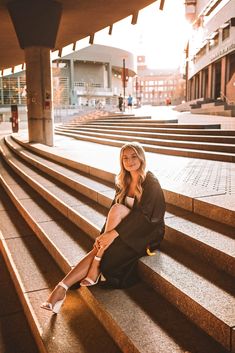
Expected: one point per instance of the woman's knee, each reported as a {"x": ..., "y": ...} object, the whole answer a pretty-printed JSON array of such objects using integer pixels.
[{"x": 119, "y": 210}]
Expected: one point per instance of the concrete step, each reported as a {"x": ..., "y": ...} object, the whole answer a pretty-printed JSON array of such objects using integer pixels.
[
  {"x": 35, "y": 273},
  {"x": 176, "y": 274},
  {"x": 15, "y": 333},
  {"x": 155, "y": 123},
  {"x": 216, "y": 132},
  {"x": 136, "y": 120},
  {"x": 86, "y": 184},
  {"x": 210, "y": 241},
  {"x": 164, "y": 136},
  {"x": 71, "y": 204},
  {"x": 212, "y": 112},
  {"x": 212, "y": 251},
  {"x": 199, "y": 145},
  {"x": 199, "y": 201},
  {"x": 214, "y": 107},
  {"x": 124, "y": 117},
  {"x": 101, "y": 192},
  {"x": 176, "y": 151},
  {"x": 107, "y": 304}
]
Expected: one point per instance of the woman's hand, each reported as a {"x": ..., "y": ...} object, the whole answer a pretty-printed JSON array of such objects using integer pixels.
[{"x": 105, "y": 239}]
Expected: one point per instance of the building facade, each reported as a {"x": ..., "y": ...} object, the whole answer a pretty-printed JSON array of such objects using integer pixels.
[
  {"x": 210, "y": 53},
  {"x": 157, "y": 87},
  {"x": 89, "y": 76}
]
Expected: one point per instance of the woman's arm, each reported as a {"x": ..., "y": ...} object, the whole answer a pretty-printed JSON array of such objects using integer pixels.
[{"x": 105, "y": 239}]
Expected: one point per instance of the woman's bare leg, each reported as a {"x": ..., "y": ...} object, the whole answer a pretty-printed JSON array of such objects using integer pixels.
[
  {"x": 75, "y": 275},
  {"x": 87, "y": 267},
  {"x": 115, "y": 215}
]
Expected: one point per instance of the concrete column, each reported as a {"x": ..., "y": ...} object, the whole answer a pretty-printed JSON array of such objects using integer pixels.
[
  {"x": 209, "y": 87},
  {"x": 73, "y": 98},
  {"x": 193, "y": 88},
  {"x": 200, "y": 94},
  {"x": 39, "y": 95},
  {"x": 190, "y": 90},
  {"x": 109, "y": 73},
  {"x": 1, "y": 88},
  {"x": 18, "y": 86},
  {"x": 223, "y": 77},
  {"x": 197, "y": 86},
  {"x": 36, "y": 24}
]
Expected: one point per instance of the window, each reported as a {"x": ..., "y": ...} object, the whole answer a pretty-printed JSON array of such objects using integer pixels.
[
  {"x": 225, "y": 32},
  {"x": 201, "y": 52}
]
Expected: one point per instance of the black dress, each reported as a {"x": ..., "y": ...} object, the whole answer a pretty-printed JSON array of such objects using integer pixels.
[{"x": 143, "y": 227}]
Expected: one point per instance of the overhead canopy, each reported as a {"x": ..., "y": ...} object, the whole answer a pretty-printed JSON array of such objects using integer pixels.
[{"x": 80, "y": 18}]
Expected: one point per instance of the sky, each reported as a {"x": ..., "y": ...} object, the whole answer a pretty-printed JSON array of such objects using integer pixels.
[{"x": 159, "y": 35}]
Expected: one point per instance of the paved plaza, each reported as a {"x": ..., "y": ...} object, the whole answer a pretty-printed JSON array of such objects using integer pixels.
[{"x": 201, "y": 174}]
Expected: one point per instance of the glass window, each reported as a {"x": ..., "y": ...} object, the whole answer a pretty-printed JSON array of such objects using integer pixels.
[{"x": 226, "y": 32}]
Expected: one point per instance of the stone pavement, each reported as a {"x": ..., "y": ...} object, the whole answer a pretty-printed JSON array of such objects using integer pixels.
[{"x": 214, "y": 176}]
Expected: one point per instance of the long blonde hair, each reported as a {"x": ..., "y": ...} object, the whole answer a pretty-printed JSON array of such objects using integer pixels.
[{"x": 123, "y": 179}]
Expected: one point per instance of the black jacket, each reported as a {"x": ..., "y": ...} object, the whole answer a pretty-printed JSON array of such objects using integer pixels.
[{"x": 144, "y": 226}]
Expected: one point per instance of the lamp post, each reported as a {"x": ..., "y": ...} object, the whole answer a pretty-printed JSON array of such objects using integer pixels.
[{"x": 124, "y": 81}]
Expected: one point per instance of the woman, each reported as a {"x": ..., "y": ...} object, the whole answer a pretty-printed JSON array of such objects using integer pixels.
[{"x": 135, "y": 223}]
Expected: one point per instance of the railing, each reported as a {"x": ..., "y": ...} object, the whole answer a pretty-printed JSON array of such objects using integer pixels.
[{"x": 64, "y": 113}]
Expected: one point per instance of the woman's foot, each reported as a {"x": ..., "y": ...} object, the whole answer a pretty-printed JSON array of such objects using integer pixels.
[
  {"x": 56, "y": 298},
  {"x": 93, "y": 274}
]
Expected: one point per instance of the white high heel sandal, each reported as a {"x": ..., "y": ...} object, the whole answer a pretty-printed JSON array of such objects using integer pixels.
[
  {"x": 57, "y": 306},
  {"x": 90, "y": 281}
]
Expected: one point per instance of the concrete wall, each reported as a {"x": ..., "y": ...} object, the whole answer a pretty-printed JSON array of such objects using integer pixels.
[
  {"x": 200, "y": 5},
  {"x": 223, "y": 48},
  {"x": 89, "y": 72},
  {"x": 104, "y": 54}
]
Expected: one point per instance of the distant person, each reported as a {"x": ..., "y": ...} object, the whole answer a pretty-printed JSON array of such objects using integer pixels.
[
  {"x": 134, "y": 227},
  {"x": 120, "y": 103},
  {"x": 129, "y": 102}
]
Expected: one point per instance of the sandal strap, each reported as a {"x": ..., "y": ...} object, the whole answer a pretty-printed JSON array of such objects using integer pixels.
[
  {"x": 46, "y": 305},
  {"x": 63, "y": 285},
  {"x": 97, "y": 258},
  {"x": 89, "y": 280}
]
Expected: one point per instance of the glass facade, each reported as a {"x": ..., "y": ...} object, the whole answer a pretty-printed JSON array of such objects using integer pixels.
[{"x": 13, "y": 90}]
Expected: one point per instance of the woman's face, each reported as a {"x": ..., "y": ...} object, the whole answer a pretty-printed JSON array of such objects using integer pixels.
[{"x": 130, "y": 160}]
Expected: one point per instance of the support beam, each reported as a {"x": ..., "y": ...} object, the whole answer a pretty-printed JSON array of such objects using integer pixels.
[
  {"x": 161, "y": 6},
  {"x": 110, "y": 29},
  {"x": 134, "y": 18},
  {"x": 44, "y": 17},
  {"x": 92, "y": 37}
]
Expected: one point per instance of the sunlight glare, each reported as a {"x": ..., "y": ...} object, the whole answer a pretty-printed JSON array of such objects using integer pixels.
[{"x": 160, "y": 36}]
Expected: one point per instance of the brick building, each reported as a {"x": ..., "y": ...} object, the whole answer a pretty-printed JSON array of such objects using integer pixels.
[{"x": 158, "y": 86}]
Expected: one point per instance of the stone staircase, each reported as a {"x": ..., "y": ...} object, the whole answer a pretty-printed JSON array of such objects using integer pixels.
[
  {"x": 185, "y": 302},
  {"x": 213, "y": 107},
  {"x": 15, "y": 335},
  {"x": 205, "y": 141}
]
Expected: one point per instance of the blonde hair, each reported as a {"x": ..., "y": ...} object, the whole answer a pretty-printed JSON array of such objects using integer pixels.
[{"x": 123, "y": 179}]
